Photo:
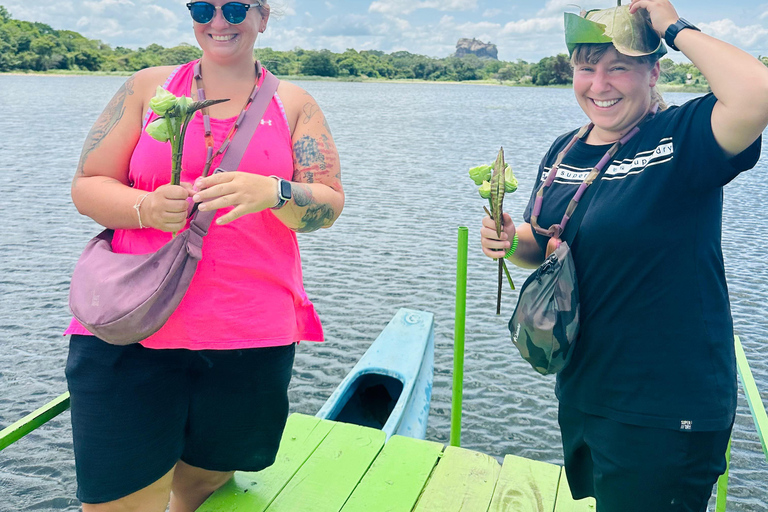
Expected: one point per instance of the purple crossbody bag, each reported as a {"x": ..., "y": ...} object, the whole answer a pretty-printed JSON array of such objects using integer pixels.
[{"x": 125, "y": 298}]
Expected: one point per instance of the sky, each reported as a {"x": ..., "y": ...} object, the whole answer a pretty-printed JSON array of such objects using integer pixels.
[{"x": 521, "y": 29}]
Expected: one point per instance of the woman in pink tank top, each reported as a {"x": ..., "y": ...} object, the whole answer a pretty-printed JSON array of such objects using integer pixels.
[{"x": 171, "y": 419}]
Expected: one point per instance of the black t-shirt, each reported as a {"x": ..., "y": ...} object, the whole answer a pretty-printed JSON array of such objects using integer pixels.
[{"x": 656, "y": 343}]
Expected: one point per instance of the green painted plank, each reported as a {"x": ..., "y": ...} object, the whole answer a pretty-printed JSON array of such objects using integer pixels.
[
  {"x": 329, "y": 476},
  {"x": 463, "y": 480},
  {"x": 30, "y": 422},
  {"x": 753, "y": 395},
  {"x": 253, "y": 492},
  {"x": 397, "y": 476},
  {"x": 525, "y": 485},
  {"x": 565, "y": 503}
]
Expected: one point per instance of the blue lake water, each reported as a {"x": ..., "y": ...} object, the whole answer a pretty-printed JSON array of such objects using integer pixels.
[{"x": 405, "y": 150}]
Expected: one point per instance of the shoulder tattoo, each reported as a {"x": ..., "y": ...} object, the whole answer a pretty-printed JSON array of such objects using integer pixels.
[{"x": 106, "y": 122}]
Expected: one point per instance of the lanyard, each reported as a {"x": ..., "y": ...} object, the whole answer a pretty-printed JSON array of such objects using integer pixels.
[
  {"x": 210, "y": 155},
  {"x": 555, "y": 230}
]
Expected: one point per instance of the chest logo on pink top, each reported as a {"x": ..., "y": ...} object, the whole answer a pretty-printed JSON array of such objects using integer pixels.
[{"x": 266, "y": 121}]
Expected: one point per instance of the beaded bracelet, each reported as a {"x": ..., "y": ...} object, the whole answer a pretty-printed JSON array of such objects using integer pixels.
[
  {"x": 513, "y": 247},
  {"x": 137, "y": 207}
]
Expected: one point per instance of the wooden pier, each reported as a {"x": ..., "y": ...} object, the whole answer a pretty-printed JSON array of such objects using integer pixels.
[{"x": 324, "y": 466}]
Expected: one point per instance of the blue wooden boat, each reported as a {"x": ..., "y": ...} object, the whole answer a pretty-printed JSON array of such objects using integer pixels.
[{"x": 390, "y": 388}]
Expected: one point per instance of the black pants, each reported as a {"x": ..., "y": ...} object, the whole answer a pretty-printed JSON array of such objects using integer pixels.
[{"x": 638, "y": 469}]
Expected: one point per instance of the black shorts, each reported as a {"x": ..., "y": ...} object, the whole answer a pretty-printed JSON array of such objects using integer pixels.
[
  {"x": 137, "y": 411},
  {"x": 628, "y": 468}
]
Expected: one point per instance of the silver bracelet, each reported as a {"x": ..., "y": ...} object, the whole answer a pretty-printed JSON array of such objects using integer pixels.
[{"x": 137, "y": 207}]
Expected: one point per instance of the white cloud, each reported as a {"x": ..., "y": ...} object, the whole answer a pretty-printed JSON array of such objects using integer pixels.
[
  {"x": 100, "y": 6},
  {"x": 408, "y": 6},
  {"x": 747, "y": 37},
  {"x": 534, "y": 26},
  {"x": 490, "y": 13}
]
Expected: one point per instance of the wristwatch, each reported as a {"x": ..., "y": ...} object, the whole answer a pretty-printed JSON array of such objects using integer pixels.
[
  {"x": 283, "y": 192},
  {"x": 674, "y": 29}
]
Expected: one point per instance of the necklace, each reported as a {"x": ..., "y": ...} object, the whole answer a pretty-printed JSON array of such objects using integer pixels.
[
  {"x": 555, "y": 230},
  {"x": 209, "y": 142}
]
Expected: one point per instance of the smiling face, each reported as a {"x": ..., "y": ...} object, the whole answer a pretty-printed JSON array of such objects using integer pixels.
[
  {"x": 614, "y": 92},
  {"x": 222, "y": 41}
]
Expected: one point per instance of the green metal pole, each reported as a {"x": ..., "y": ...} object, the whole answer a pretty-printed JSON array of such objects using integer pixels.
[
  {"x": 722, "y": 482},
  {"x": 31, "y": 421},
  {"x": 458, "y": 336}
]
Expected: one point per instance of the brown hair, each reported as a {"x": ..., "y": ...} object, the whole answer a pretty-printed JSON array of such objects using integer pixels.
[{"x": 591, "y": 53}]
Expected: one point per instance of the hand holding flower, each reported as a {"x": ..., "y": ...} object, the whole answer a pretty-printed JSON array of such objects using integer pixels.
[{"x": 165, "y": 208}]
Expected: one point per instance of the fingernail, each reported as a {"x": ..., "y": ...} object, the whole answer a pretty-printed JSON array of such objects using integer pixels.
[
  {"x": 198, "y": 183},
  {"x": 196, "y": 198}
]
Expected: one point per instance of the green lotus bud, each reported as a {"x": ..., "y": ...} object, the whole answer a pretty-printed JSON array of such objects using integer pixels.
[
  {"x": 510, "y": 182},
  {"x": 485, "y": 190},
  {"x": 162, "y": 101},
  {"x": 480, "y": 174},
  {"x": 158, "y": 130},
  {"x": 182, "y": 104}
]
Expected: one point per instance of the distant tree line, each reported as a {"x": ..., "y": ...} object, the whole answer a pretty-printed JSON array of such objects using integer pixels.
[{"x": 31, "y": 46}]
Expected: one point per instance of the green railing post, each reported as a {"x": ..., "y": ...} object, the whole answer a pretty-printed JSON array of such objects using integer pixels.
[
  {"x": 31, "y": 421},
  {"x": 722, "y": 482},
  {"x": 458, "y": 336}
]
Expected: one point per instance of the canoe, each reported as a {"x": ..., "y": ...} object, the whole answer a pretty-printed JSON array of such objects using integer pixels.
[{"x": 390, "y": 387}]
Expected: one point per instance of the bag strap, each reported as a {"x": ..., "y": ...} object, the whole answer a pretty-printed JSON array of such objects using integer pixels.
[
  {"x": 201, "y": 221},
  {"x": 572, "y": 228}
]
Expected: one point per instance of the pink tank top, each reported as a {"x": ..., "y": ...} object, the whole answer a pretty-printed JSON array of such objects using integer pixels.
[{"x": 248, "y": 290}]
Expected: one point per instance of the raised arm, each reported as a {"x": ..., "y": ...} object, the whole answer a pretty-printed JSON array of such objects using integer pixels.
[
  {"x": 100, "y": 187},
  {"x": 737, "y": 79}
]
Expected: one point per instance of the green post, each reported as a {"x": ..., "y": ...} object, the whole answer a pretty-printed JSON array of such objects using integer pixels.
[
  {"x": 30, "y": 422},
  {"x": 722, "y": 482},
  {"x": 458, "y": 336}
]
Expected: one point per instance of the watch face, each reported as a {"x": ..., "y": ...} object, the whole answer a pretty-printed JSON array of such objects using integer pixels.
[{"x": 285, "y": 189}]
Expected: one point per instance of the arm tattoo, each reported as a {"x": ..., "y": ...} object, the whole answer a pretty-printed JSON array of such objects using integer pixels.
[
  {"x": 314, "y": 158},
  {"x": 111, "y": 116},
  {"x": 310, "y": 109},
  {"x": 302, "y": 195},
  {"x": 316, "y": 217}
]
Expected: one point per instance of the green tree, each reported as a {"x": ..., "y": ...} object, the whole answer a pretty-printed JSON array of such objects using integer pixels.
[{"x": 319, "y": 64}]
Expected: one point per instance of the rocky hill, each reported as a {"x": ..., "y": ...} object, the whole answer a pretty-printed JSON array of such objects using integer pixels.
[{"x": 476, "y": 47}]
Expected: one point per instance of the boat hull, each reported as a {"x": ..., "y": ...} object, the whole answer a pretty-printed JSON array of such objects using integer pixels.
[{"x": 391, "y": 386}]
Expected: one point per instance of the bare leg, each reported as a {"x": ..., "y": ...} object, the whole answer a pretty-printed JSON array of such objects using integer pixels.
[
  {"x": 153, "y": 498},
  {"x": 192, "y": 486}
]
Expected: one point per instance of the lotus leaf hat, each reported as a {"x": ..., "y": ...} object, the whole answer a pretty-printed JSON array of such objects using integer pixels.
[{"x": 631, "y": 34}]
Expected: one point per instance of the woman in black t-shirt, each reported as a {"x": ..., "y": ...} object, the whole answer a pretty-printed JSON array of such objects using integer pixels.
[{"x": 648, "y": 399}]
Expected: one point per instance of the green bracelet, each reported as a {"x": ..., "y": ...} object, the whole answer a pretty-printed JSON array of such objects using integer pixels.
[{"x": 513, "y": 248}]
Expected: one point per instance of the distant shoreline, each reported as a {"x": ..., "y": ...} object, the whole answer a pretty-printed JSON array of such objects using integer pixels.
[{"x": 68, "y": 73}]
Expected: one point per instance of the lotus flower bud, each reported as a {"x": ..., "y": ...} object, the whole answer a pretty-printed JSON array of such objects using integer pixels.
[
  {"x": 162, "y": 101},
  {"x": 182, "y": 104},
  {"x": 158, "y": 130},
  {"x": 510, "y": 182},
  {"x": 480, "y": 174},
  {"x": 485, "y": 190}
]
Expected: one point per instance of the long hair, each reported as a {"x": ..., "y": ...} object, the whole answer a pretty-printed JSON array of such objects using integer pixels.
[{"x": 590, "y": 53}]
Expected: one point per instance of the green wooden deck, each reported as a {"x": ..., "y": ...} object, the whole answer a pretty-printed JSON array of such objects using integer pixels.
[{"x": 324, "y": 466}]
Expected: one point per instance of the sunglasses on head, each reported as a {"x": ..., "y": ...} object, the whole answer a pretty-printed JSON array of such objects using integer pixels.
[{"x": 234, "y": 12}]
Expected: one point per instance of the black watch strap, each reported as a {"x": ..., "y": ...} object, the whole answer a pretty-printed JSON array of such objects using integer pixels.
[{"x": 674, "y": 29}]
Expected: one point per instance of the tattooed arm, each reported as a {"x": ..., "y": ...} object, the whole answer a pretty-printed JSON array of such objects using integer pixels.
[
  {"x": 318, "y": 196},
  {"x": 100, "y": 188}
]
